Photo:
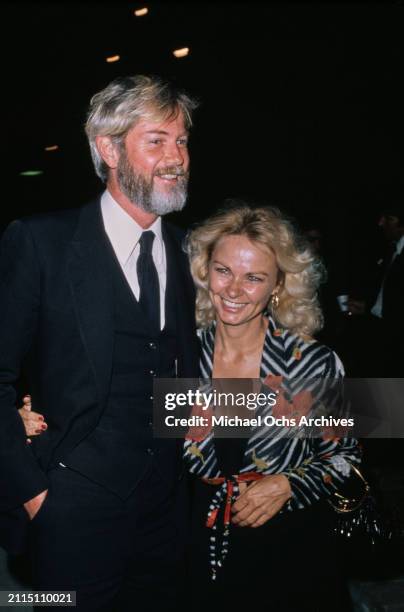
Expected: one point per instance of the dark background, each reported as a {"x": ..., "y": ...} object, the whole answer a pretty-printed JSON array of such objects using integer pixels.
[
  {"x": 301, "y": 103},
  {"x": 301, "y": 107}
]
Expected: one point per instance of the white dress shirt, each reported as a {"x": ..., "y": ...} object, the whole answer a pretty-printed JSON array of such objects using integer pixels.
[
  {"x": 124, "y": 234},
  {"x": 378, "y": 305}
]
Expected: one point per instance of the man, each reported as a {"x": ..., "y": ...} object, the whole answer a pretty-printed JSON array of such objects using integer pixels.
[
  {"x": 95, "y": 303},
  {"x": 389, "y": 304},
  {"x": 377, "y": 335},
  {"x": 383, "y": 305}
]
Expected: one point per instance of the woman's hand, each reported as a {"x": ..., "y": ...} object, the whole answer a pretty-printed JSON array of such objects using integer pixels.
[
  {"x": 34, "y": 422},
  {"x": 261, "y": 500},
  {"x": 33, "y": 506}
]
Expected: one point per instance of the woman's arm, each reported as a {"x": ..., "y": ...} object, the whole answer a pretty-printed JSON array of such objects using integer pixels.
[
  {"x": 329, "y": 466},
  {"x": 323, "y": 473}
]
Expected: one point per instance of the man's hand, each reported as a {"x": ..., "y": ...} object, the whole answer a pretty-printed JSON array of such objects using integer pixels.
[
  {"x": 33, "y": 505},
  {"x": 261, "y": 500}
]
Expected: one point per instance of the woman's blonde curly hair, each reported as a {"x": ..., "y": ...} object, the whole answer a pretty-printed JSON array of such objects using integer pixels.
[{"x": 301, "y": 271}]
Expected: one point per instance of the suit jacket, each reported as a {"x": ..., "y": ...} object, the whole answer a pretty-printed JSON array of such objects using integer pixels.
[
  {"x": 393, "y": 295},
  {"x": 56, "y": 322}
]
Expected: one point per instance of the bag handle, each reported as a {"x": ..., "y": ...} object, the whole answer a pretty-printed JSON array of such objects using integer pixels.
[{"x": 344, "y": 504}]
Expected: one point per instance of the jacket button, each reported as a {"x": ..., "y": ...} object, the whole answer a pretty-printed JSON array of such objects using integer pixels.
[
  {"x": 152, "y": 372},
  {"x": 151, "y": 398},
  {"x": 152, "y": 345},
  {"x": 150, "y": 451}
]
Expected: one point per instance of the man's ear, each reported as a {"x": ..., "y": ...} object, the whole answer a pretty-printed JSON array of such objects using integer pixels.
[{"x": 108, "y": 150}]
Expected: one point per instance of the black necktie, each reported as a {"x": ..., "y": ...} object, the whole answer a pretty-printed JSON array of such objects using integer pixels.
[{"x": 148, "y": 281}]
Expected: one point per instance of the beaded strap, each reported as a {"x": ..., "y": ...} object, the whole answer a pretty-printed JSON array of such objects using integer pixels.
[{"x": 227, "y": 493}]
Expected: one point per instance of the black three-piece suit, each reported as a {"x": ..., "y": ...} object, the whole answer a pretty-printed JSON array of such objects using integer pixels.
[{"x": 69, "y": 321}]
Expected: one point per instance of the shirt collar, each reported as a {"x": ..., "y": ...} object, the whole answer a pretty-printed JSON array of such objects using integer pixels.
[
  {"x": 400, "y": 245},
  {"x": 123, "y": 231}
]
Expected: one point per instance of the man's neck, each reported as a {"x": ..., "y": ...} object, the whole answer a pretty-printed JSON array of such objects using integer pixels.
[{"x": 144, "y": 219}]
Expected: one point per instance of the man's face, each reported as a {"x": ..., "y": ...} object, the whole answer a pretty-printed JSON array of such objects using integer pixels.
[
  {"x": 153, "y": 167},
  {"x": 390, "y": 226}
]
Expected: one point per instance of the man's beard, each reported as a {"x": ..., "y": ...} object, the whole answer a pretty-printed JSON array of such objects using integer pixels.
[{"x": 145, "y": 195}]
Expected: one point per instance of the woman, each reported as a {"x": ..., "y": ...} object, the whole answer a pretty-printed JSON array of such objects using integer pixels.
[{"x": 257, "y": 310}]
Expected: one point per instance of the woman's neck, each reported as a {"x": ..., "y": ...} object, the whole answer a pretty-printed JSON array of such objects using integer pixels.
[{"x": 240, "y": 339}]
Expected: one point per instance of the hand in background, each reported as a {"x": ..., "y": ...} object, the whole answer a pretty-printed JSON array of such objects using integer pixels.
[
  {"x": 34, "y": 422},
  {"x": 261, "y": 500},
  {"x": 356, "y": 307},
  {"x": 33, "y": 505}
]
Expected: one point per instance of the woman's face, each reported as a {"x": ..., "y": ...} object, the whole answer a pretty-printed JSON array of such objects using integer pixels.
[{"x": 242, "y": 277}]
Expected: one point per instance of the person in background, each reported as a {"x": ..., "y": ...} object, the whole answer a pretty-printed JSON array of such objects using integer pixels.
[
  {"x": 380, "y": 310},
  {"x": 375, "y": 329}
]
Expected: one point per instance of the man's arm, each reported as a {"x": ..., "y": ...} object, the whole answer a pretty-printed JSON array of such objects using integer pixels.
[{"x": 21, "y": 478}]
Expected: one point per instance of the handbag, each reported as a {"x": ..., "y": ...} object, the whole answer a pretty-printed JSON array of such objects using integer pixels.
[
  {"x": 357, "y": 514},
  {"x": 364, "y": 535},
  {"x": 344, "y": 504}
]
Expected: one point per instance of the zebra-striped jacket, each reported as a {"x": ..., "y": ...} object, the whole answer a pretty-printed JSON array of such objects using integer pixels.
[{"x": 315, "y": 466}]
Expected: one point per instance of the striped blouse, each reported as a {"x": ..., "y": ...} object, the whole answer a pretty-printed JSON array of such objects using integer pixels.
[{"x": 315, "y": 466}]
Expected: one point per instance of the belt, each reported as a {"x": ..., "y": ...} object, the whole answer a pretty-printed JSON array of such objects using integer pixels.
[{"x": 227, "y": 495}]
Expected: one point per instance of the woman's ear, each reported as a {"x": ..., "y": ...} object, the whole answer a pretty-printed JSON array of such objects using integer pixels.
[
  {"x": 280, "y": 283},
  {"x": 108, "y": 151}
]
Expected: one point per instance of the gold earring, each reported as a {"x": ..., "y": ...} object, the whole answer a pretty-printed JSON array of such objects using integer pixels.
[{"x": 274, "y": 300}]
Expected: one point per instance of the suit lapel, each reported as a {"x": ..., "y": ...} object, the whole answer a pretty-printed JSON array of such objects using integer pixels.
[
  {"x": 91, "y": 286},
  {"x": 178, "y": 278},
  {"x": 90, "y": 277},
  {"x": 396, "y": 264}
]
